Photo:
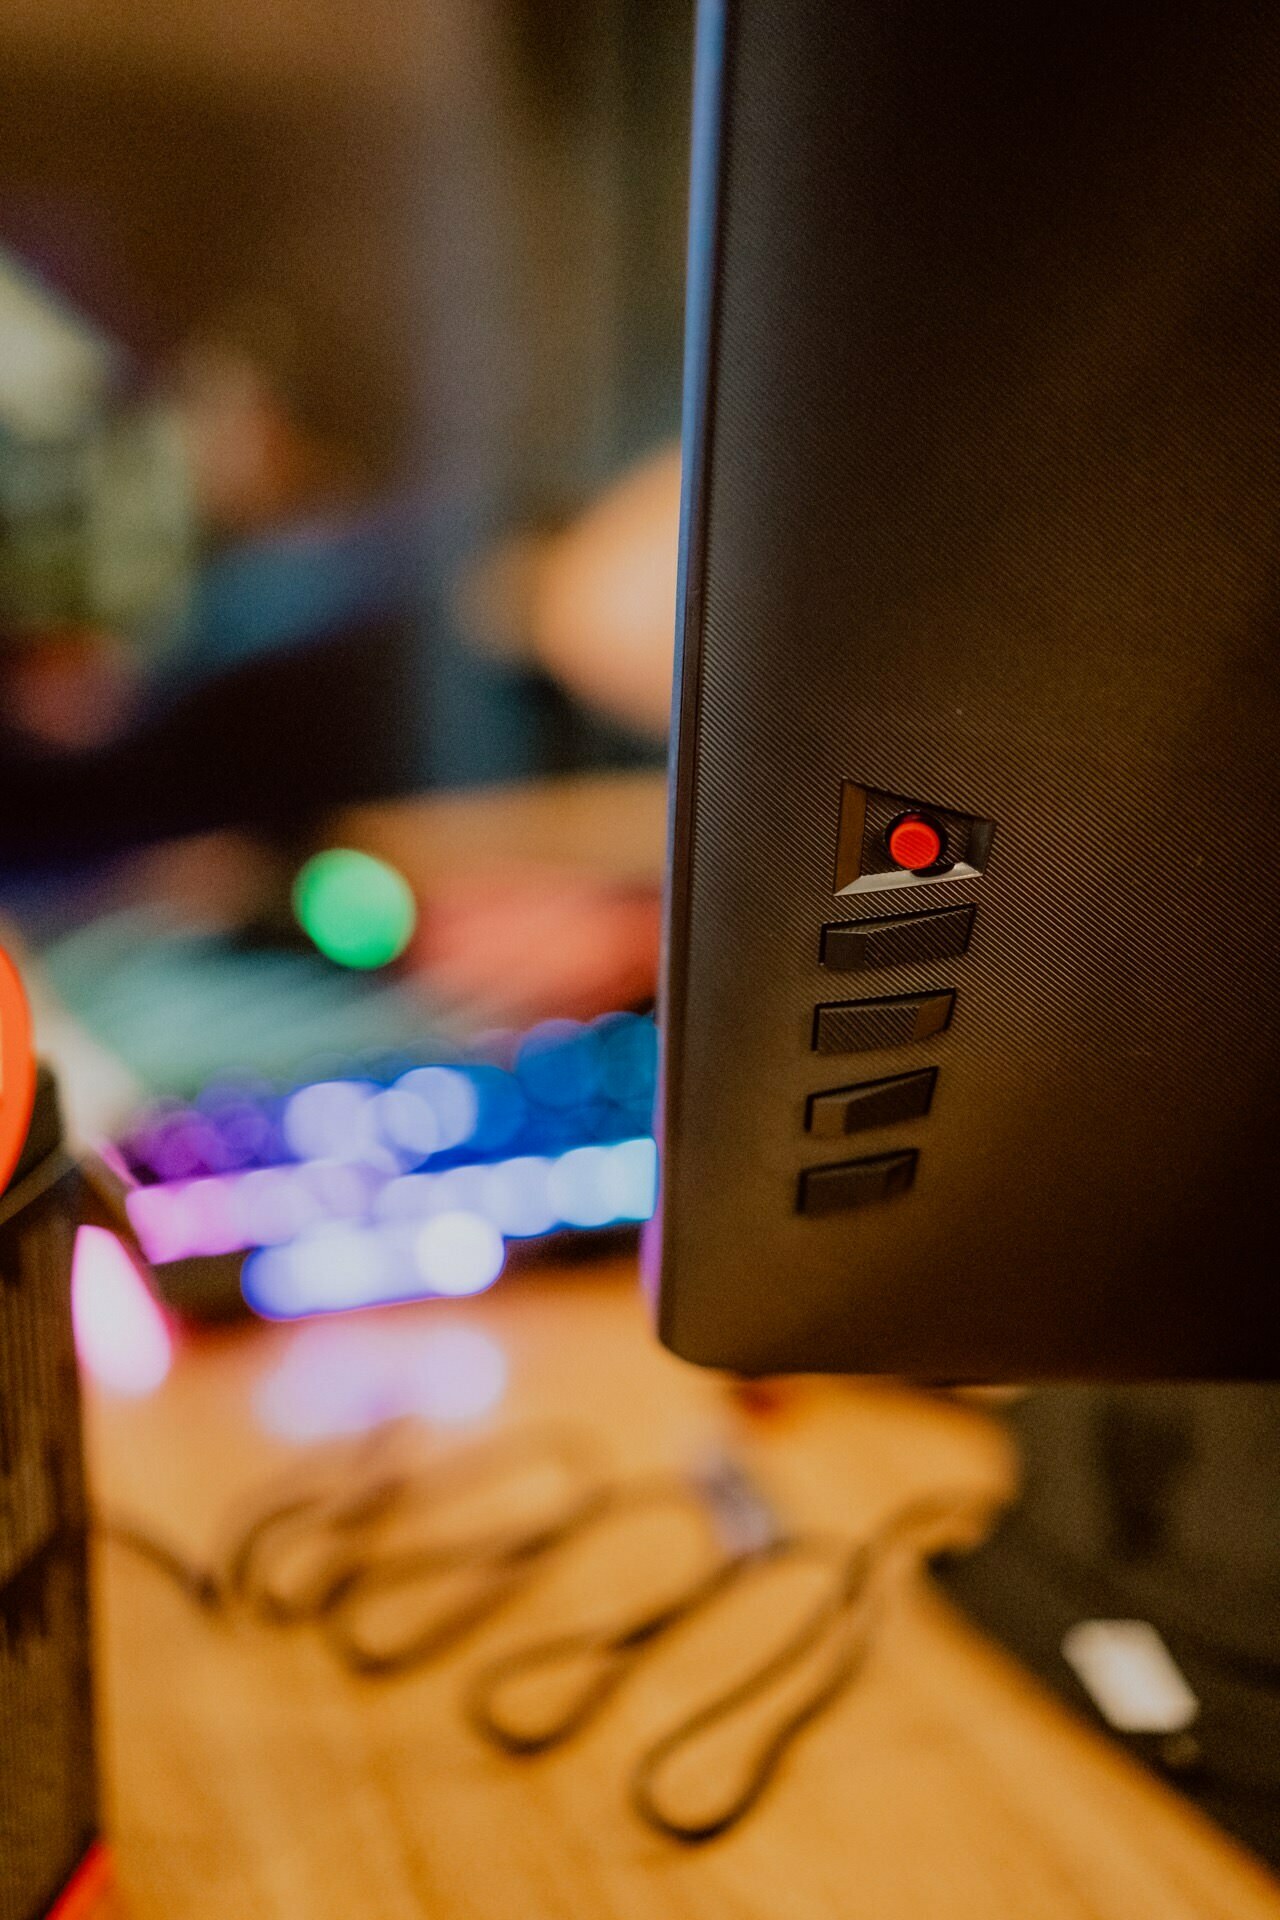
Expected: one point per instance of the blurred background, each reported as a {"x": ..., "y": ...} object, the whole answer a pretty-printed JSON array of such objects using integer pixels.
[
  {"x": 340, "y": 350},
  {"x": 339, "y": 387}
]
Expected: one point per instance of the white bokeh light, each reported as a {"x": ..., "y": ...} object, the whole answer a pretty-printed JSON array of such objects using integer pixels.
[
  {"x": 451, "y": 1099},
  {"x": 406, "y": 1122},
  {"x": 580, "y": 1187},
  {"x": 332, "y": 1120},
  {"x": 459, "y": 1253},
  {"x": 517, "y": 1196}
]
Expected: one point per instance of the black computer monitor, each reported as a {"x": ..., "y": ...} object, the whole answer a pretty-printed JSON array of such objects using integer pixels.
[{"x": 971, "y": 1027}]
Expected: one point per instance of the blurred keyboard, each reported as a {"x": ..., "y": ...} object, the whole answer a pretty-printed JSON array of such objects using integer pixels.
[
  {"x": 365, "y": 1148},
  {"x": 405, "y": 1179}
]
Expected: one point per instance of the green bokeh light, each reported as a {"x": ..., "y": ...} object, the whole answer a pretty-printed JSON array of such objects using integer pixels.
[{"x": 359, "y": 911}]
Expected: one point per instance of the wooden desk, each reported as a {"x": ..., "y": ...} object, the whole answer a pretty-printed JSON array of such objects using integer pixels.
[
  {"x": 611, "y": 824},
  {"x": 249, "y": 1779}
]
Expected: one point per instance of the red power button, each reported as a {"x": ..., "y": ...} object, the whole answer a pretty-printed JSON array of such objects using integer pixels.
[{"x": 915, "y": 843}]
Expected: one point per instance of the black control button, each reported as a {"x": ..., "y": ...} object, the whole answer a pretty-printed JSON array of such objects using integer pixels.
[
  {"x": 857, "y": 1026},
  {"x": 876, "y": 1103},
  {"x": 866, "y": 944},
  {"x": 856, "y": 1183}
]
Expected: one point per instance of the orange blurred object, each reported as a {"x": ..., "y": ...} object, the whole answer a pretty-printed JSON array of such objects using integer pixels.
[
  {"x": 17, "y": 1068},
  {"x": 92, "y": 1892}
]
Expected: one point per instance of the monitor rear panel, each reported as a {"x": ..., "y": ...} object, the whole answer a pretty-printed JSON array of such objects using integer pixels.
[{"x": 980, "y": 541}]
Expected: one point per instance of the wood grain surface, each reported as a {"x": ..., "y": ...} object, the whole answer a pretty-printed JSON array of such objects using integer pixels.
[
  {"x": 249, "y": 1778},
  {"x": 611, "y": 824}
]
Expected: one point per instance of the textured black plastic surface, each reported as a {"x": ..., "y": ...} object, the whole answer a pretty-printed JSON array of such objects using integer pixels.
[
  {"x": 48, "y": 1799},
  {"x": 864, "y": 1026},
  {"x": 872, "y": 1103},
  {"x": 874, "y": 944},
  {"x": 983, "y": 487},
  {"x": 847, "y": 1184}
]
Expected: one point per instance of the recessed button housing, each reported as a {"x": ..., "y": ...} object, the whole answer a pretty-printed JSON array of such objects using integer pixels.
[
  {"x": 864, "y": 945},
  {"x": 875, "y": 1103},
  {"x": 858, "y": 1026},
  {"x": 856, "y": 1183},
  {"x": 881, "y": 836}
]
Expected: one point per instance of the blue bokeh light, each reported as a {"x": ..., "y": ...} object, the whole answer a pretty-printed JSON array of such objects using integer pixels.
[
  {"x": 559, "y": 1064},
  {"x": 331, "y": 1186}
]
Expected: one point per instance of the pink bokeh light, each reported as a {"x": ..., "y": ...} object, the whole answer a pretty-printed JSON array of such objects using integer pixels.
[{"x": 122, "y": 1336}]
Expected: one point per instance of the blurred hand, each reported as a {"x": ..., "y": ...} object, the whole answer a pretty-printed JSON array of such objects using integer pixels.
[{"x": 604, "y": 597}]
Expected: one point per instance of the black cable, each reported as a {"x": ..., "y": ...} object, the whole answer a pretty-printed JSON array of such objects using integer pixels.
[
  {"x": 614, "y": 1651},
  {"x": 349, "y": 1520},
  {"x": 836, "y": 1607},
  {"x": 844, "y": 1615},
  {"x": 503, "y": 1567},
  {"x": 344, "y": 1505},
  {"x": 199, "y": 1584},
  {"x": 504, "y": 1564}
]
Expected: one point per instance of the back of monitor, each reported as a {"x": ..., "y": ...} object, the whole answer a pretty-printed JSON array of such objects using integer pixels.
[{"x": 980, "y": 534}]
